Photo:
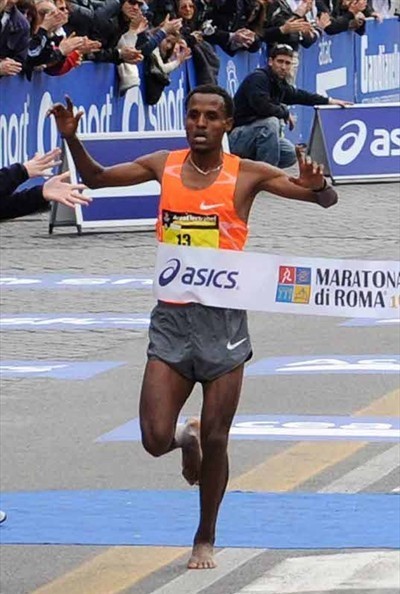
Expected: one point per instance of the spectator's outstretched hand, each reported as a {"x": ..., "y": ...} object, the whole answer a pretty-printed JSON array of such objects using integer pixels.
[
  {"x": 71, "y": 43},
  {"x": 339, "y": 102},
  {"x": 131, "y": 55},
  {"x": 9, "y": 67},
  {"x": 66, "y": 120},
  {"x": 294, "y": 25},
  {"x": 171, "y": 26},
  {"x": 324, "y": 20},
  {"x": 59, "y": 190},
  {"x": 311, "y": 174},
  {"x": 89, "y": 46},
  {"x": 41, "y": 165}
]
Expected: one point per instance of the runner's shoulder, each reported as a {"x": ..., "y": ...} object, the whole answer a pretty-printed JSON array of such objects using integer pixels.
[
  {"x": 154, "y": 161},
  {"x": 256, "y": 171}
]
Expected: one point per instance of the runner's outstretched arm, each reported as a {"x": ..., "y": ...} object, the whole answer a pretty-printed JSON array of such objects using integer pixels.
[
  {"x": 93, "y": 174},
  {"x": 310, "y": 186}
]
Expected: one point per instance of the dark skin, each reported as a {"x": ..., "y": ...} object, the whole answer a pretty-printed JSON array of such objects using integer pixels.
[{"x": 164, "y": 391}]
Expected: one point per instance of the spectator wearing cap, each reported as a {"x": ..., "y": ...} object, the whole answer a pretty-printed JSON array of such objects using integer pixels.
[
  {"x": 261, "y": 106},
  {"x": 14, "y": 38}
]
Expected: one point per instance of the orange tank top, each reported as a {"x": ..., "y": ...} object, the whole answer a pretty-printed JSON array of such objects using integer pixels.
[{"x": 200, "y": 218}]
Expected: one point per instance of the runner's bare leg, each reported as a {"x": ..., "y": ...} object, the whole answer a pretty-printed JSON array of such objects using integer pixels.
[
  {"x": 164, "y": 392},
  {"x": 221, "y": 398}
]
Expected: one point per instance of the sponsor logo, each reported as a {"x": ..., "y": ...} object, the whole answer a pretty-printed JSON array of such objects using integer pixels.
[
  {"x": 231, "y": 346},
  {"x": 198, "y": 277},
  {"x": 170, "y": 272},
  {"x": 204, "y": 206},
  {"x": 167, "y": 114},
  {"x": 325, "y": 52},
  {"x": 379, "y": 71},
  {"x": 294, "y": 284},
  {"x": 369, "y": 289},
  {"x": 385, "y": 143},
  {"x": 231, "y": 78}
]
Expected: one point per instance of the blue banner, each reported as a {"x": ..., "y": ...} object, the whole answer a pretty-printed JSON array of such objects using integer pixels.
[
  {"x": 233, "y": 69},
  {"x": 24, "y": 127},
  {"x": 358, "y": 68},
  {"x": 328, "y": 69},
  {"x": 362, "y": 142},
  {"x": 377, "y": 62}
]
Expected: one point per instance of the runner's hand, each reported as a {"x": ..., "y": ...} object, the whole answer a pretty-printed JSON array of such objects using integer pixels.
[
  {"x": 59, "y": 190},
  {"x": 42, "y": 164},
  {"x": 311, "y": 174},
  {"x": 67, "y": 122}
]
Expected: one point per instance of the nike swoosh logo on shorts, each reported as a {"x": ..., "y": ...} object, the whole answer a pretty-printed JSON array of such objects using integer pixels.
[
  {"x": 233, "y": 345},
  {"x": 204, "y": 206}
]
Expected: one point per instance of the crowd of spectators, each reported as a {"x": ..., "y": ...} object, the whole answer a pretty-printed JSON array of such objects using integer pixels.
[{"x": 57, "y": 35}]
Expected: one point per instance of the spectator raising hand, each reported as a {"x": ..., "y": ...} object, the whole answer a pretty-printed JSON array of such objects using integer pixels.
[
  {"x": 57, "y": 189},
  {"x": 41, "y": 165},
  {"x": 296, "y": 25},
  {"x": 89, "y": 46},
  {"x": 324, "y": 20},
  {"x": 171, "y": 26},
  {"x": 10, "y": 67},
  {"x": 70, "y": 44}
]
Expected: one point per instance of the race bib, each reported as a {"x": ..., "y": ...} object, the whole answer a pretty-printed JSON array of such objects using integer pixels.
[{"x": 190, "y": 229}]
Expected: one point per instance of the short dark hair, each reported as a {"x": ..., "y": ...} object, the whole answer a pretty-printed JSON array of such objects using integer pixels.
[
  {"x": 281, "y": 49},
  {"x": 213, "y": 90}
]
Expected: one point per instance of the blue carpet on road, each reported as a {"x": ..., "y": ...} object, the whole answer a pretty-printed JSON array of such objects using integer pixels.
[{"x": 260, "y": 520}]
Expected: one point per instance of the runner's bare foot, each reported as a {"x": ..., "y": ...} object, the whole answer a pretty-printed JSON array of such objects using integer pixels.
[
  {"x": 202, "y": 557},
  {"x": 191, "y": 452}
]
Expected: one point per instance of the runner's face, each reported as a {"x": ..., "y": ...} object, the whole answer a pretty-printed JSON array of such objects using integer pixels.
[{"x": 206, "y": 122}]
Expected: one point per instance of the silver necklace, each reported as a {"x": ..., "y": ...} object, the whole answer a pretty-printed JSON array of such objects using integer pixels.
[{"x": 202, "y": 170}]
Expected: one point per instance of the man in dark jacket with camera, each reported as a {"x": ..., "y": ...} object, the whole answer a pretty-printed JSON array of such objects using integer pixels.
[{"x": 261, "y": 109}]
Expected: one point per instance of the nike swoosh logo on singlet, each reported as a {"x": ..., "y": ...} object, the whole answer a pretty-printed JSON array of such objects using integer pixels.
[
  {"x": 204, "y": 206},
  {"x": 232, "y": 346}
]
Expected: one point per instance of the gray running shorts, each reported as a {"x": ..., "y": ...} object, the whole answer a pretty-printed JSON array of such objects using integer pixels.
[{"x": 198, "y": 341}]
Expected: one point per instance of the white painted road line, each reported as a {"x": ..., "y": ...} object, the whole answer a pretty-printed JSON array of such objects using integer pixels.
[
  {"x": 194, "y": 581},
  {"x": 351, "y": 571},
  {"x": 366, "y": 474}
]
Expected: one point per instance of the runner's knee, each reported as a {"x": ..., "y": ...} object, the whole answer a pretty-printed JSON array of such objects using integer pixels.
[
  {"x": 214, "y": 440},
  {"x": 156, "y": 442}
]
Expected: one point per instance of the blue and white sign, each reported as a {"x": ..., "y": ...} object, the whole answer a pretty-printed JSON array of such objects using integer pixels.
[
  {"x": 125, "y": 206},
  {"x": 68, "y": 321},
  {"x": 289, "y": 428},
  {"x": 361, "y": 142},
  {"x": 70, "y": 370},
  {"x": 59, "y": 281},
  {"x": 377, "y": 62},
  {"x": 327, "y": 68},
  {"x": 323, "y": 364}
]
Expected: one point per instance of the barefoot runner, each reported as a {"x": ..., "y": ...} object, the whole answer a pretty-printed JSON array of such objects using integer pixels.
[{"x": 206, "y": 197}]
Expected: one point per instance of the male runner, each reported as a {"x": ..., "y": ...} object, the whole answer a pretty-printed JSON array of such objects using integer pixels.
[{"x": 206, "y": 197}]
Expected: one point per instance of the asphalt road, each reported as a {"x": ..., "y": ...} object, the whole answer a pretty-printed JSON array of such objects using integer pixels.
[{"x": 50, "y": 426}]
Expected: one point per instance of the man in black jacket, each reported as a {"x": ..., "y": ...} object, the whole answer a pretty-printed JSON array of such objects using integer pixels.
[
  {"x": 18, "y": 204},
  {"x": 261, "y": 107}
]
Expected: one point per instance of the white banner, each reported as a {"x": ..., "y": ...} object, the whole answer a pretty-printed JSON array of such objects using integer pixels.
[{"x": 281, "y": 284}]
